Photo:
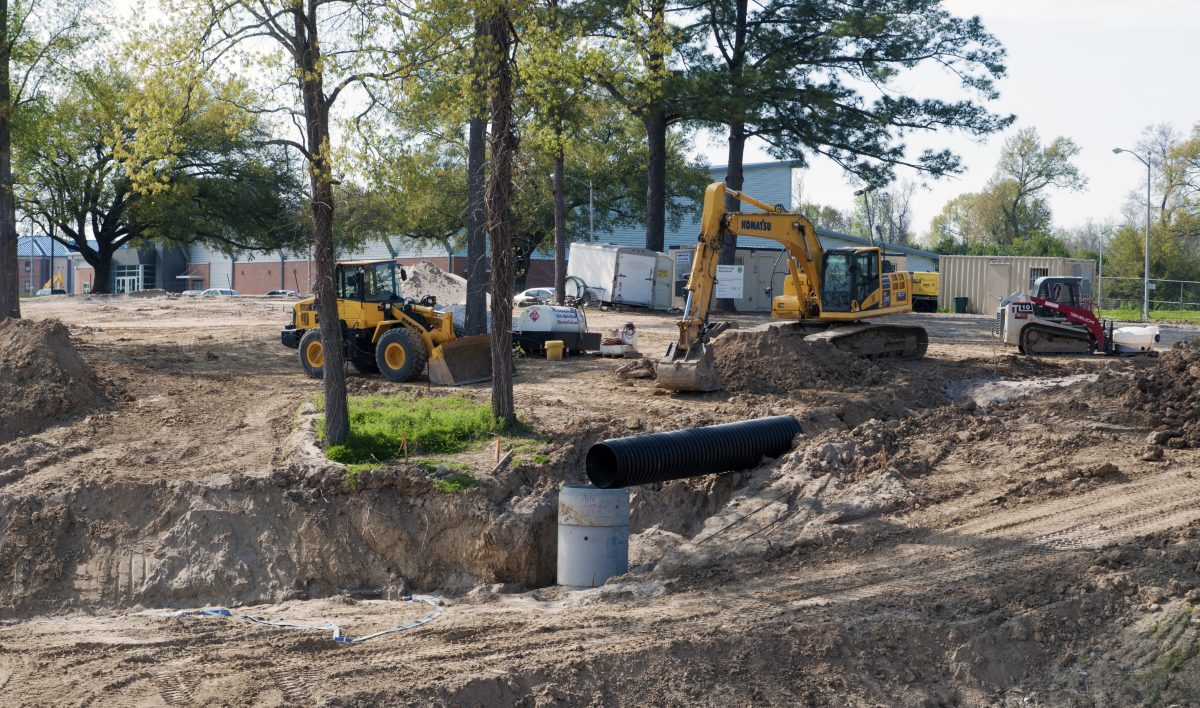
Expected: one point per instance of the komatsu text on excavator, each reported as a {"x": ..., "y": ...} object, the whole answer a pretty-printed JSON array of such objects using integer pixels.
[{"x": 830, "y": 292}]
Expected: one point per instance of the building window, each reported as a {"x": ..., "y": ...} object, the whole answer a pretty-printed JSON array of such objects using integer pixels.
[
  {"x": 1035, "y": 273},
  {"x": 27, "y": 266}
]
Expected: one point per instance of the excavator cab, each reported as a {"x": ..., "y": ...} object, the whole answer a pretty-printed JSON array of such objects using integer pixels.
[{"x": 850, "y": 278}]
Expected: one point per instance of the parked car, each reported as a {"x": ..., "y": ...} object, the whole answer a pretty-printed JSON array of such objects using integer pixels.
[
  {"x": 192, "y": 293},
  {"x": 219, "y": 291},
  {"x": 533, "y": 296},
  {"x": 283, "y": 293},
  {"x": 50, "y": 291}
]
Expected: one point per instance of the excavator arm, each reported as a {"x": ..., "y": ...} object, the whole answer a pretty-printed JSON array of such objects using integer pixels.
[
  {"x": 793, "y": 231},
  {"x": 688, "y": 365}
]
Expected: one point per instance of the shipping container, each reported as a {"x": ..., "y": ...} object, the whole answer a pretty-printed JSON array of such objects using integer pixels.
[{"x": 985, "y": 280}]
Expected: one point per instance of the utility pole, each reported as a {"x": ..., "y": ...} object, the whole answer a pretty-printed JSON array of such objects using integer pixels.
[{"x": 1146, "y": 245}]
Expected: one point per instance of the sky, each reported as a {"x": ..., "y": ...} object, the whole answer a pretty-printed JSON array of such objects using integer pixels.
[{"x": 1096, "y": 71}]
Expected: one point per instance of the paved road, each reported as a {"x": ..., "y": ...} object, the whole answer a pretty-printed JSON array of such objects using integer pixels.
[{"x": 977, "y": 329}]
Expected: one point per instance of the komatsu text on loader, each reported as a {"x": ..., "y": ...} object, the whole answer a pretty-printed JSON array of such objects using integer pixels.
[
  {"x": 830, "y": 292},
  {"x": 387, "y": 333}
]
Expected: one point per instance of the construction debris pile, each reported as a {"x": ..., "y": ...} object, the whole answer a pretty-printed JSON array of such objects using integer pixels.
[
  {"x": 42, "y": 377},
  {"x": 425, "y": 278}
]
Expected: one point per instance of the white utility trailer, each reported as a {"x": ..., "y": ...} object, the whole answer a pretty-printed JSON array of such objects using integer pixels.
[{"x": 620, "y": 275}]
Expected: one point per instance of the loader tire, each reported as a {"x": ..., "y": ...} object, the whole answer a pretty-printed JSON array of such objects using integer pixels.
[
  {"x": 400, "y": 355},
  {"x": 312, "y": 354}
]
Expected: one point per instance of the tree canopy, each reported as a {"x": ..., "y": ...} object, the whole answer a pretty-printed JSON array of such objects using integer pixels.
[{"x": 219, "y": 184}]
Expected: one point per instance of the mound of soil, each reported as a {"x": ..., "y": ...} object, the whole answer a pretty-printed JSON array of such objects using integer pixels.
[
  {"x": 42, "y": 377},
  {"x": 1168, "y": 391},
  {"x": 778, "y": 360},
  {"x": 427, "y": 279}
]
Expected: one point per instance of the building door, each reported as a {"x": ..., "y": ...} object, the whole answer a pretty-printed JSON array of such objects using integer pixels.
[
  {"x": 126, "y": 283},
  {"x": 999, "y": 286}
]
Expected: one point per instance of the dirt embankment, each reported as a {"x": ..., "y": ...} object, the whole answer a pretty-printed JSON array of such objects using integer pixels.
[{"x": 42, "y": 377}]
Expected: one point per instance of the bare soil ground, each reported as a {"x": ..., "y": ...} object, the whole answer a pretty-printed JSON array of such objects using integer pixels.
[{"x": 974, "y": 528}]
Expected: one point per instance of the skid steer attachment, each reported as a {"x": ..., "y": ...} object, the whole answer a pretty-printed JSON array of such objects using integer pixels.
[
  {"x": 461, "y": 361},
  {"x": 691, "y": 369}
]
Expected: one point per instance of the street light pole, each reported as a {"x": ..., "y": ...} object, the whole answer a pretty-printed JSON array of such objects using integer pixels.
[
  {"x": 867, "y": 207},
  {"x": 1146, "y": 246}
]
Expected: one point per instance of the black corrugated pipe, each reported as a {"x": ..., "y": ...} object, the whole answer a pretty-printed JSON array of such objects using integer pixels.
[{"x": 642, "y": 459}]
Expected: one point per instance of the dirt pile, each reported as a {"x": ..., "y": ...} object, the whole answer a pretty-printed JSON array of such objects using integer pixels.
[
  {"x": 778, "y": 360},
  {"x": 427, "y": 279},
  {"x": 42, "y": 377},
  {"x": 1168, "y": 392}
]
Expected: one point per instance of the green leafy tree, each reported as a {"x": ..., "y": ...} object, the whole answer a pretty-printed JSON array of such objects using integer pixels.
[
  {"x": 223, "y": 187},
  {"x": 308, "y": 57},
  {"x": 829, "y": 78},
  {"x": 38, "y": 39},
  {"x": 644, "y": 72},
  {"x": 1027, "y": 169}
]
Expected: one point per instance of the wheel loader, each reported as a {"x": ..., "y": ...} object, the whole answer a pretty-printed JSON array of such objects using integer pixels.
[
  {"x": 389, "y": 334},
  {"x": 829, "y": 293}
]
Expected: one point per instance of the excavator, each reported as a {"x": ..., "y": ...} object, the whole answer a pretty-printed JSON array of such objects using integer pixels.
[{"x": 829, "y": 293}]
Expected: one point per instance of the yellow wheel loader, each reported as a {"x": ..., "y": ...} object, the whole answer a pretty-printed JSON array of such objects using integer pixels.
[
  {"x": 387, "y": 333},
  {"x": 831, "y": 292}
]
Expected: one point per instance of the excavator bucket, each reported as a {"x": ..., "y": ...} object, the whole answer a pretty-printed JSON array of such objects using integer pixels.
[
  {"x": 693, "y": 369},
  {"x": 461, "y": 361}
]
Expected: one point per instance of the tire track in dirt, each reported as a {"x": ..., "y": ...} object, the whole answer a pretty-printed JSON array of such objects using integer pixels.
[{"x": 993, "y": 547}]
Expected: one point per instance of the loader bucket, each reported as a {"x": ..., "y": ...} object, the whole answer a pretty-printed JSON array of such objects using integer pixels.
[
  {"x": 693, "y": 369},
  {"x": 461, "y": 361}
]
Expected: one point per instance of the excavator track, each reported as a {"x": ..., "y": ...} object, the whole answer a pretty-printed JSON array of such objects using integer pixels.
[
  {"x": 876, "y": 340},
  {"x": 1040, "y": 339}
]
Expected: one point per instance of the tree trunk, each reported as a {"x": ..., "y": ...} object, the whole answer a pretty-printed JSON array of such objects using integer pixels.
[
  {"x": 560, "y": 228},
  {"x": 102, "y": 273},
  {"x": 734, "y": 179},
  {"x": 10, "y": 289},
  {"x": 499, "y": 211},
  {"x": 656, "y": 177},
  {"x": 316, "y": 116},
  {"x": 476, "y": 315}
]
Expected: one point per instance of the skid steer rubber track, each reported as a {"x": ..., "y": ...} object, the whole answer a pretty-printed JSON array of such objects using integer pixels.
[{"x": 1040, "y": 340}]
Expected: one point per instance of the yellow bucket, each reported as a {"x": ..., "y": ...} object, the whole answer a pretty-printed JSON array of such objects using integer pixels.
[{"x": 554, "y": 350}]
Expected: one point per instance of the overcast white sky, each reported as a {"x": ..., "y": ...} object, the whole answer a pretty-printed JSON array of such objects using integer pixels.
[{"x": 1096, "y": 71}]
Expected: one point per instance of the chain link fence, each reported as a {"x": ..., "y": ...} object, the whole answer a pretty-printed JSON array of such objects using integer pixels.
[{"x": 1171, "y": 298}]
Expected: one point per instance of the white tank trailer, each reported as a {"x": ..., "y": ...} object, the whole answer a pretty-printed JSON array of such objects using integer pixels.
[{"x": 539, "y": 324}]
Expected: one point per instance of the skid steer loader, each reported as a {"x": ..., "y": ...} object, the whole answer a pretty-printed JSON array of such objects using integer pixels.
[{"x": 387, "y": 333}]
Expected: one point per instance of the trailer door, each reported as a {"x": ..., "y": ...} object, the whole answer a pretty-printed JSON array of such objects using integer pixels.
[{"x": 635, "y": 279}]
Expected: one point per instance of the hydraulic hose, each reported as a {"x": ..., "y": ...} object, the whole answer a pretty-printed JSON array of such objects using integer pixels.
[{"x": 658, "y": 457}]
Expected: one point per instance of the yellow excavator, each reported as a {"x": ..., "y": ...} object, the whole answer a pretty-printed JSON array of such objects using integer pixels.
[
  {"x": 832, "y": 292},
  {"x": 387, "y": 333}
]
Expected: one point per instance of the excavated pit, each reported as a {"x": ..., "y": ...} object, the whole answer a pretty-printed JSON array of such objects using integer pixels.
[{"x": 916, "y": 547}]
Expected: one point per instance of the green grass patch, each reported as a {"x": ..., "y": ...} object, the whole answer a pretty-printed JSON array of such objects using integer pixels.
[
  {"x": 440, "y": 425},
  {"x": 1160, "y": 315},
  {"x": 456, "y": 482}
]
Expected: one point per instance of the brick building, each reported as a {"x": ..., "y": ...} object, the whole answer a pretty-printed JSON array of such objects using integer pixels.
[{"x": 40, "y": 259}]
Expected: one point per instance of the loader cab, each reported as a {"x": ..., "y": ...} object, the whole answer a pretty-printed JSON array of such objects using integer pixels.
[
  {"x": 367, "y": 281},
  {"x": 1064, "y": 290},
  {"x": 849, "y": 277}
]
